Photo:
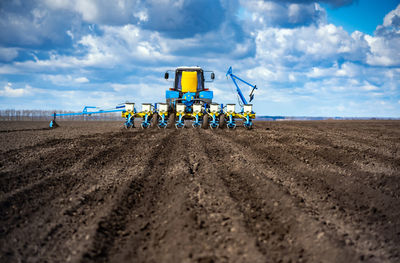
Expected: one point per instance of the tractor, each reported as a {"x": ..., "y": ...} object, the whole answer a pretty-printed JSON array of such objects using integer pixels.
[{"x": 188, "y": 100}]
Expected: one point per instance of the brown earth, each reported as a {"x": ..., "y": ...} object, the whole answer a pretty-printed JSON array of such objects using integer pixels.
[{"x": 283, "y": 192}]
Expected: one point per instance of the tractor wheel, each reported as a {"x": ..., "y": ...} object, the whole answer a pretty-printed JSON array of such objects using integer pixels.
[
  {"x": 204, "y": 124},
  {"x": 154, "y": 120},
  {"x": 222, "y": 121},
  {"x": 171, "y": 120}
]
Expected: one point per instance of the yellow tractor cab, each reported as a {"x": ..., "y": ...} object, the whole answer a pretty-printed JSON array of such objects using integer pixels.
[{"x": 189, "y": 81}]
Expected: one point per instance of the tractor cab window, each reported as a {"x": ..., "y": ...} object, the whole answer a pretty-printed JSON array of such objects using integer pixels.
[{"x": 189, "y": 81}]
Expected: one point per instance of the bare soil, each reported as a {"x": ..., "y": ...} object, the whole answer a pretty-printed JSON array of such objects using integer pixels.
[{"x": 320, "y": 191}]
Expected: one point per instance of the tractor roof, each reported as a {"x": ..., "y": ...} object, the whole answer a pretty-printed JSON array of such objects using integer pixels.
[{"x": 189, "y": 68}]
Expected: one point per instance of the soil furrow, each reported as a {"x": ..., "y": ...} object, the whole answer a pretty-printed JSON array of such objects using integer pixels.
[
  {"x": 273, "y": 214},
  {"x": 193, "y": 206},
  {"x": 312, "y": 186},
  {"x": 61, "y": 190},
  {"x": 33, "y": 165},
  {"x": 142, "y": 187},
  {"x": 334, "y": 170}
]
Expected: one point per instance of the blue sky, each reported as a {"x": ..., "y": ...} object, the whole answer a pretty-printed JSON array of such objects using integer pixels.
[
  {"x": 308, "y": 58},
  {"x": 362, "y": 15}
]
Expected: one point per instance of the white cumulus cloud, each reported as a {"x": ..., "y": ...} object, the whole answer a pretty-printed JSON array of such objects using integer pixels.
[
  {"x": 81, "y": 80},
  {"x": 8, "y": 91}
]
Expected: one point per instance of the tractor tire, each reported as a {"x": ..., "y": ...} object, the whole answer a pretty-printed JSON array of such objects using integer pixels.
[
  {"x": 204, "y": 124},
  {"x": 171, "y": 120},
  {"x": 154, "y": 120},
  {"x": 222, "y": 121}
]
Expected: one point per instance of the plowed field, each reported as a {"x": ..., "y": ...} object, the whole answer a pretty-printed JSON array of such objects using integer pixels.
[{"x": 283, "y": 192}]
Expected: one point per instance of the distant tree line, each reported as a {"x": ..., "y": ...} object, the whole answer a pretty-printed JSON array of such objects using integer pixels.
[{"x": 45, "y": 115}]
